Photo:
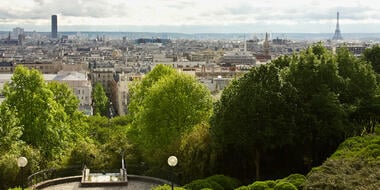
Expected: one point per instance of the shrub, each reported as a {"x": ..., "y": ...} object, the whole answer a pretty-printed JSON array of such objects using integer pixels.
[
  {"x": 353, "y": 166},
  {"x": 296, "y": 179},
  {"x": 203, "y": 183},
  {"x": 259, "y": 185},
  {"x": 166, "y": 187},
  {"x": 215, "y": 185},
  {"x": 372, "y": 151},
  {"x": 283, "y": 185},
  {"x": 243, "y": 188},
  {"x": 228, "y": 183},
  {"x": 270, "y": 183}
]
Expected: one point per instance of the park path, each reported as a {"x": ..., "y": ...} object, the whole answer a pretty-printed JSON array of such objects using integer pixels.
[{"x": 132, "y": 185}]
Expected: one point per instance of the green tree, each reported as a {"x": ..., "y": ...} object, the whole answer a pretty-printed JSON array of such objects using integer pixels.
[
  {"x": 111, "y": 136},
  {"x": 322, "y": 120},
  {"x": 140, "y": 89},
  {"x": 100, "y": 100},
  {"x": 10, "y": 129},
  {"x": 196, "y": 154},
  {"x": 372, "y": 56},
  {"x": 358, "y": 76},
  {"x": 64, "y": 96},
  {"x": 42, "y": 118},
  {"x": 12, "y": 147},
  {"x": 300, "y": 105},
  {"x": 367, "y": 115},
  {"x": 175, "y": 105},
  {"x": 251, "y": 118},
  {"x": 101, "y": 145},
  {"x": 360, "y": 93},
  {"x": 171, "y": 105}
]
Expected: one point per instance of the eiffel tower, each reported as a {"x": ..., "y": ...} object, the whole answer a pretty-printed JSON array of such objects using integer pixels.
[{"x": 337, "y": 35}]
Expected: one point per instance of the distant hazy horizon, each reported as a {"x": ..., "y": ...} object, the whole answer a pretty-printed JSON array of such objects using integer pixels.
[
  {"x": 236, "y": 28},
  {"x": 192, "y": 16},
  {"x": 215, "y": 36}
]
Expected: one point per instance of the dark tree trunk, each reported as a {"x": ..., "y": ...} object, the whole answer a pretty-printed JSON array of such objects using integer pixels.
[{"x": 257, "y": 164}]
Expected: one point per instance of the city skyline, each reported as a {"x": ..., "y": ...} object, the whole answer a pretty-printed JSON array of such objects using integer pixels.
[{"x": 186, "y": 16}]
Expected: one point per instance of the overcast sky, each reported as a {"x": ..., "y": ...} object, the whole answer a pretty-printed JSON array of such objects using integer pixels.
[{"x": 193, "y": 16}]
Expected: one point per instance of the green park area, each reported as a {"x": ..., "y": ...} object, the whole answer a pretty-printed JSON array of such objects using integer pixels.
[{"x": 305, "y": 121}]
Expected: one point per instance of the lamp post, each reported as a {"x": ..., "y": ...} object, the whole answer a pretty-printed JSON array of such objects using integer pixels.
[
  {"x": 110, "y": 110},
  {"x": 123, "y": 167},
  {"x": 172, "y": 161},
  {"x": 21, "y": 163}
]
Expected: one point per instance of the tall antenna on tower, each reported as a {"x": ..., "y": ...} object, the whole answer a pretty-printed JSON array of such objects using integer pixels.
[
  {"x": 337, "y": 34},
  {"x": 245, "y": 44}
]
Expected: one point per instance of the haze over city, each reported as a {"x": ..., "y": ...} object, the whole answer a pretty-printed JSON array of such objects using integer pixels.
[
  {"x": 189, "y": 94},
  {"x": 192, "y": 16}
]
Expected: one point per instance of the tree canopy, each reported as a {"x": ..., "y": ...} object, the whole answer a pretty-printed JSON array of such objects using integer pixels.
[
  {"x": 303, "y": 102},
  {"x": 172, "y": 104},
  {"x": 41, "y": 117},
  {"x": 279, "y": 118},
  {"x": 372, "y": 56},
  {"x": 38, "y": 121},
  {"x": 100, "y": 100},
  {"x": 252, "y": 116}
]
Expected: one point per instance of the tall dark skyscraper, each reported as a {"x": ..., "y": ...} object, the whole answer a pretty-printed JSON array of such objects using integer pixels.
[
  {"x": 337, "y": 35},
  {"x": 54, "y": 27}
]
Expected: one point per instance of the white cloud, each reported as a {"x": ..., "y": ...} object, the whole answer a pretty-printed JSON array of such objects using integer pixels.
[{"x": 305, "y": 14}]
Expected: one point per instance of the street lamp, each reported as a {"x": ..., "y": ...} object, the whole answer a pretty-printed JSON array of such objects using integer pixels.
[
  {"x": 172, "y": 161},
  {"x": 21, "y": 163},
  {"x": 123, "y": 168}
]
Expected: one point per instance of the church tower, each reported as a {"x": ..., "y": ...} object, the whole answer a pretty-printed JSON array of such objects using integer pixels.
[{"x": 337, "y": 35}]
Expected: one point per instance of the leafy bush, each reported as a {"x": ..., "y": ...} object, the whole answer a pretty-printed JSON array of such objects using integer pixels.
[
  {"x": 270, "y": 183},
  {"x": 259, "y": 185},
  {"x": 215, "y": 185},
  {"x": 283, "y": 185},
  {"x": 167, "y": 187},
  {"x": 353, "y": 166},
  {"x": 243, "y": 188},
  {"x": 296, "y": 179},
  {"x": 203, "y": 183},
  {"x": 228, "y": 183},
  {"x": 292, "y": 181},
  {"x": 372, "y": 151}
]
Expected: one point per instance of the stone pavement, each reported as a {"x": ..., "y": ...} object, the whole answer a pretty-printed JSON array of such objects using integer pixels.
[{"x": 132, "y": 185}]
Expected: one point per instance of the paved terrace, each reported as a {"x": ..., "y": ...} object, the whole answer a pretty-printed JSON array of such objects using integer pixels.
[
  {"x": 132, "y": 185},
  {"x": 135, "y": 182}
]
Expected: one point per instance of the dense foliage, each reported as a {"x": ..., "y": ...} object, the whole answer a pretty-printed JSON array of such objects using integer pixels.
[
  {"x": 215, "y": 182},
  {"x": 168, "y": 107},
  {"x": 372, "y": 56},
  {"x": 292, "y": 182},
  {"x": 290, "y": 114},
  {"x": 42, "y": 119},
  {"x": 251, "y": 118},
  {"x": 283, "y": 117},
  {"x": 221, "y": 182},
  {"x": 39, "y": 121},
  {"x": 100, "y": 100},
  {"x": 355, "y": 165}
]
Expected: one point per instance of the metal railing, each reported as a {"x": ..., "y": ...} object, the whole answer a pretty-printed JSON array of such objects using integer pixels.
[
  {"x": 141, "y": 170},
  {"x": 52, "y": 173}
]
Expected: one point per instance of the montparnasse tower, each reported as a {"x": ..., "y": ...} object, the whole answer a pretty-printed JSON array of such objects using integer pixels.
[{"x": 337, "y": 34}]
